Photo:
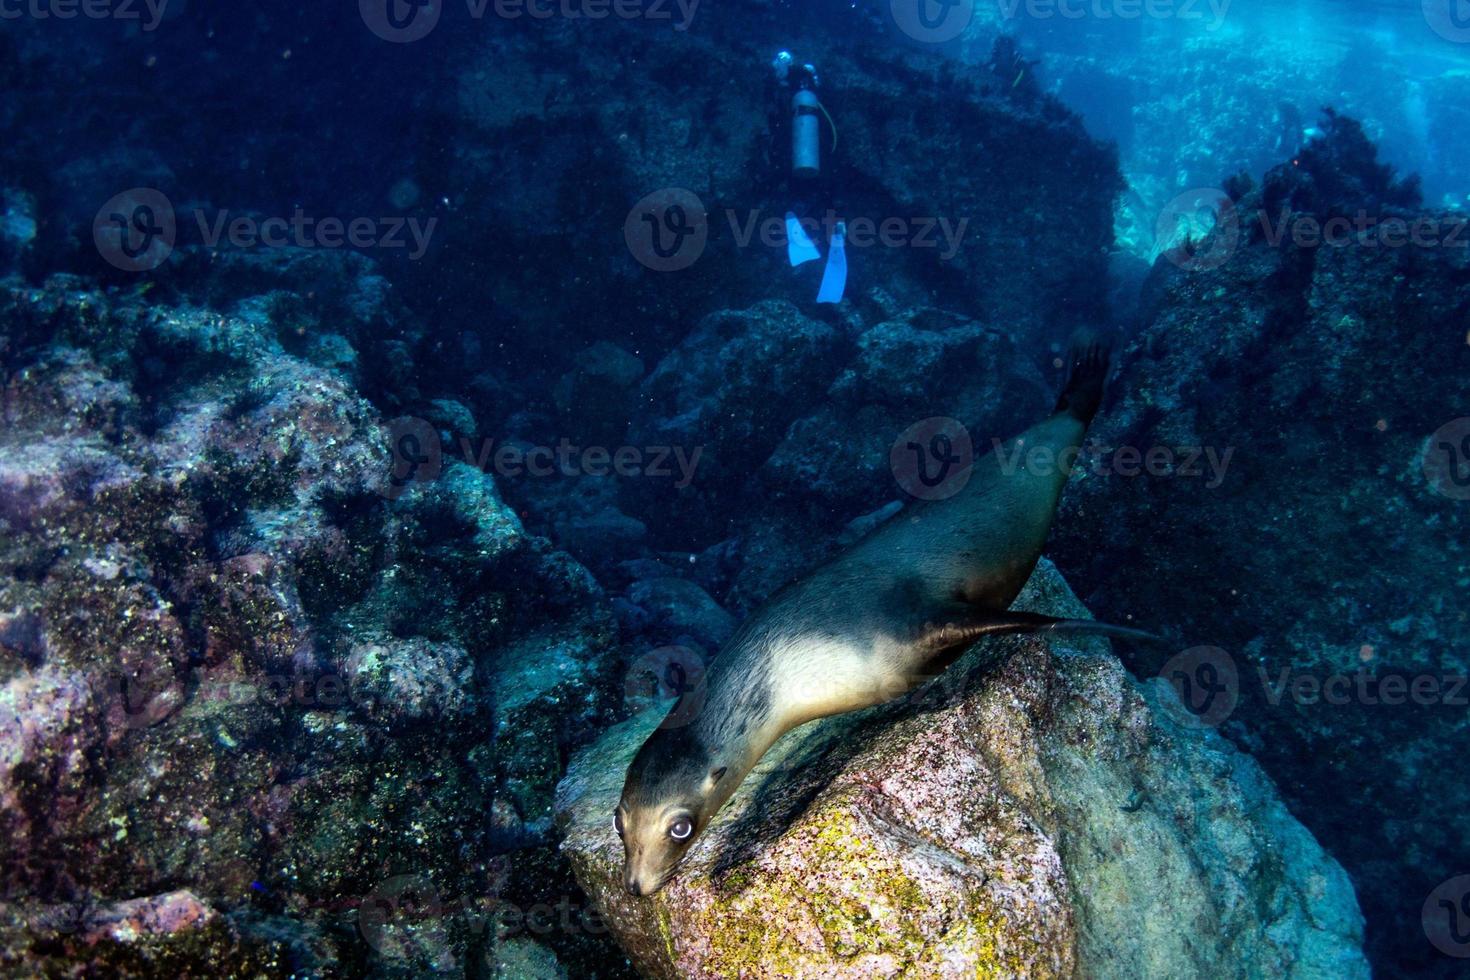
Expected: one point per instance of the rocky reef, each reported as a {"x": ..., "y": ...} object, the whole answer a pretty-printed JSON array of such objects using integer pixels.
[
  {"x": 246, "y": 675},
  {"x": 1035, "y": 812},
  {"x": 1314, "y": 347}
]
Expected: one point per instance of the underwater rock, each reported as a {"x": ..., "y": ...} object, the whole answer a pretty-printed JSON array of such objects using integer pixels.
[
  {"x": 50, "y": 734},
  {"x": 595, "y": 399},
  {"x": 1292, "y": 393},
  {"x": 158, "y": 915},
  {"x": 168, "y": 934},
  {"x": 519, "y": 958},
  {"x": 233, "y": 666},
  {"x": 406, "y": 681},
  {"x": 1034, "y": 812},
  {"x": 729, "y": 391},
  {"x": 680, "y": 608}
]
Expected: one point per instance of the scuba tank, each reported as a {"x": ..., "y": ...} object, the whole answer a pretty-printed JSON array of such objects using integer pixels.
[{"x": 806, "y": 134}]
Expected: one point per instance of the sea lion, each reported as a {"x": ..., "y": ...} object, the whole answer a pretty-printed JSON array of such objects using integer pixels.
[{"x": 885, "y": 615}]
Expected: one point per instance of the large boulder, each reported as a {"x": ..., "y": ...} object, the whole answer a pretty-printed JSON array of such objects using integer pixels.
[{"x": 1034, "y": 812}]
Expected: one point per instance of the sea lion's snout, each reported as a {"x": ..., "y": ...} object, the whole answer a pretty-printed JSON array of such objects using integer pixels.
[
  {"x": 672, "y": 787},
  {"x": 650, "y": 853}
]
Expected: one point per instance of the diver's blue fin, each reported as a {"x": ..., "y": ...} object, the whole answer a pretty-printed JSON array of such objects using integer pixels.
[
  {"x": 834, "y": 277},
  {"x": 799, "y": 247}
]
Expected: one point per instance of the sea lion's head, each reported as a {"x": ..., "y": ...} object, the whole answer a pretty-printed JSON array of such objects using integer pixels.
[{"x": 674, "y": 786}]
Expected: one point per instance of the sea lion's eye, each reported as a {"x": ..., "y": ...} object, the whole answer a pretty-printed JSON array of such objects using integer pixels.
[
  {"x": 681, "y": 829},
  {"x": 618, "y": 822}
]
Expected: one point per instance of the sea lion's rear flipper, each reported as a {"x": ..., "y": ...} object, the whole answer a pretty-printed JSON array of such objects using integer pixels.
[
  {"x": 1087, "y": 374},
  {"x": 964, "y": 626},
  {"x": 1016, "y": 621}
]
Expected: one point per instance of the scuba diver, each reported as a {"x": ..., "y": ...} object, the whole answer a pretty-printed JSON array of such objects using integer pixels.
[{"x": 795, "y": 120}]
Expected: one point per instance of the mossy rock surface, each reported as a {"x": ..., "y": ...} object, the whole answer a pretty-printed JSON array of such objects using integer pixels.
[{"x": 1034, "y": 812}]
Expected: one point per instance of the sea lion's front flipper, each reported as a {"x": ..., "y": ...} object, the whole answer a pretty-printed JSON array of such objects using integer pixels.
[{"x": 965, "y": 625}]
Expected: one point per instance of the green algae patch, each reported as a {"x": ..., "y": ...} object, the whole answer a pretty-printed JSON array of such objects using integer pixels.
[{"x": 770, "y": 921}]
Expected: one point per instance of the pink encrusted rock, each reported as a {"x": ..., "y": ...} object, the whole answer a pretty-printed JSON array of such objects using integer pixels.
[
  {"x": 156, "y": 915},
  {"x": 48, "y": 730}
]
